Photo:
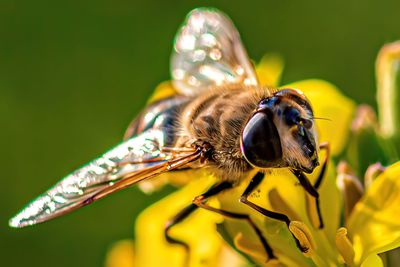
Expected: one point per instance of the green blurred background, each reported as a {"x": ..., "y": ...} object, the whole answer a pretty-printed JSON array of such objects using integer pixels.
[{"x": 74, "y": 73}]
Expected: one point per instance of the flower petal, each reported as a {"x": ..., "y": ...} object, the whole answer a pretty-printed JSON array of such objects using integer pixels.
[
  {"x": 329, "y": 103},
  {"x": 163, "y": 90},
  {"x": 198, "y": 231},
  {"x": 372, "y": 261},
  {"x": 270, "y": 69},
  {"x": 276, "y": 233},
  {"x": 121, "y": 254},
  {"x": 350, "y": 187},
  {"x": 374, "y": 224},
  {"x": 280, "y": 184}
]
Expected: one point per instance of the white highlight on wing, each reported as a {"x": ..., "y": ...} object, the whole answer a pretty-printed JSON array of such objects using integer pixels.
[
  {"x": 72, "y": 191},
  {"x": 208, "y": 51}
]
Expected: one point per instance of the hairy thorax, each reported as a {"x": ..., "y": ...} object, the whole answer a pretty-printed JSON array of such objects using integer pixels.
[{"x": 218, "y": 119}]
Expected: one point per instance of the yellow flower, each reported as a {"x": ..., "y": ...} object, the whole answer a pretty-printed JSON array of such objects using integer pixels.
[
  {"x": 279, "y": 191},
  {"x": 370, "y": 228},
  {"x": 199, "y": 231},
  {"x": 122, "y": 254},
  {"x": 371, "y": 225},
  {"x": 374, "y": 223}
]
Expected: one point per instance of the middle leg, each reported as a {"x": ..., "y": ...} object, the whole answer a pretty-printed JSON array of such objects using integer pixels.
[
  {"x": 201, "y": 201},
  {"x": 255, "y": 181}
]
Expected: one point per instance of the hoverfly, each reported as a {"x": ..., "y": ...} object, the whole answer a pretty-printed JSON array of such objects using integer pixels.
[{"x": 221, "y": 119}]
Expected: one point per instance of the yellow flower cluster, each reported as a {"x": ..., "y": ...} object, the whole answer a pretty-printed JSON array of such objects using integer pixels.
[{"x": 360, "y": 221}]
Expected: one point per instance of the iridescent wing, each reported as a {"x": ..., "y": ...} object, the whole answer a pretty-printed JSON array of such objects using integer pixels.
[
  {"x": 136, "y": 159},
  {"x": 208, "y": 51}
]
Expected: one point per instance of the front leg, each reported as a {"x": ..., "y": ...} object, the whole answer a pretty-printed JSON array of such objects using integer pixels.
[
  {"x": 312, "y": 189},
  {"x": 255, "y": 181},
  {"x": 324, "y": 146},
  {"x": 306, "y": 184}
]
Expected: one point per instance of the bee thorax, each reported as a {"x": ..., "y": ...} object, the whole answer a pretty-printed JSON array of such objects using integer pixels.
[{"x": 218, "y": 119}]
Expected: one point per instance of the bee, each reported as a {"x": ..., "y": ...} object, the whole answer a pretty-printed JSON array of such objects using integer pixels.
[{"x": 220, "y": 118}]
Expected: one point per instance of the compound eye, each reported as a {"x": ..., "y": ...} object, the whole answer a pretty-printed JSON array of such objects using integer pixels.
[
  {"x": 292, "y": 116},
  {"x": 261, "y": 145}
]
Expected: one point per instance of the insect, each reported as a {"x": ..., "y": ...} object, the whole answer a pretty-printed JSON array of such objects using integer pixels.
[{"x": 221, "y": 119}]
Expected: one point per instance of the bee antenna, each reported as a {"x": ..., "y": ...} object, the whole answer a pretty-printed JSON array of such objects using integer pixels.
[{"x": 320, "y": 118}]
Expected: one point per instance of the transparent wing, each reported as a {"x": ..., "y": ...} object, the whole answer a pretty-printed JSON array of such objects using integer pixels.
[
  {"x": 208, "y": 51},
  {"x": 136, "y": 159}
]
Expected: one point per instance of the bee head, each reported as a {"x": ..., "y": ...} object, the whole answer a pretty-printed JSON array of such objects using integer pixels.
[{"x": 281, "y": 133}]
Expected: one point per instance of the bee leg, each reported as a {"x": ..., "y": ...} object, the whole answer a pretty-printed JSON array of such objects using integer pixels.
[
  {"x": 312, "y": 189},
  {"x": 183, "y": 214},
  {"x": 306, "y": 184},
  {"x": 324, "y": 165},
  {"x": 201, "y": 201},
  {"x": 257, "y": 179}
]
